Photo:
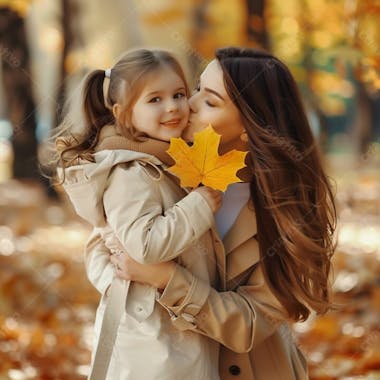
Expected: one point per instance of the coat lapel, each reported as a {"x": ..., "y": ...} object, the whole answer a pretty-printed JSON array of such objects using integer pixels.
[
  {"x": 243, "y": 257},
  {"x": 244, "y": 228},
  {"x": 220, "y": 257},
  {"x": 242, "y": 252}
]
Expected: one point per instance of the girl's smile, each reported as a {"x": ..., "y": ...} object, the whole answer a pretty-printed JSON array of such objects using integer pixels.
[{"x": 173, "y": 123}]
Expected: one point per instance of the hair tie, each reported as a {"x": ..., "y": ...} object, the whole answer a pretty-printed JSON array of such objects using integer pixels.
[
  {"x": 106, "y": 85},
  {"x": 107, "y": 73}
]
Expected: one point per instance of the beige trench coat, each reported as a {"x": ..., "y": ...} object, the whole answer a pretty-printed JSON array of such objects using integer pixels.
[
  {"x": 134, "y": 205},
  {"x": 244, "y": 316}
]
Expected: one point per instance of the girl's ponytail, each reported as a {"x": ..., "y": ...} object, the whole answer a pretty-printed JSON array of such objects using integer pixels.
[
  {"x": 95, "y": 110},
  {"x": 94, "y": 115}
]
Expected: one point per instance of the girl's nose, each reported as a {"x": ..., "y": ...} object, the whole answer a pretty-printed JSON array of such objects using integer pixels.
[{"x": 171, "y": 105}]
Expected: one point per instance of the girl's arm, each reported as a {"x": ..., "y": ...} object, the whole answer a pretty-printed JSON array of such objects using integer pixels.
[{"x": 134, "y": 210}]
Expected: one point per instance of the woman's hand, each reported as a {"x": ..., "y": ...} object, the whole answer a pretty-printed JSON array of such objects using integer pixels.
[
  {"x": 213, "y": 197},
  {"x": 156, "y": 275}
]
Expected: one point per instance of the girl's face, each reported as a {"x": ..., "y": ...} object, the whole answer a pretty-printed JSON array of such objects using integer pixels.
[
  {"x": 210, "y": 104},
  {"x": 162, "y": 110}
]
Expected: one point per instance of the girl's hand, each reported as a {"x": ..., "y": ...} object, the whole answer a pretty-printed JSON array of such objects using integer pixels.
[
  {"x": 156, "y": 275},
  {"x": 213, "y": 197}
]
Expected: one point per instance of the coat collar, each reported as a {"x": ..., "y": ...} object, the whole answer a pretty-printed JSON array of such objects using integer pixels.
[{"x": 243, "y": 229}]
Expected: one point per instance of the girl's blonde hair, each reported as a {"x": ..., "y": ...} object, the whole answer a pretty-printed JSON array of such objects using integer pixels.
[{"x": 97, "y": 99}]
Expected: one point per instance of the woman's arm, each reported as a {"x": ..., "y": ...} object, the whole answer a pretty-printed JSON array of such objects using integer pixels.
[
  {"x": 134, "y": 210},
  {"x": 102, "y": 266},
  {"x": 99, "y": 269},
  {"x": 239, "y": 319}
]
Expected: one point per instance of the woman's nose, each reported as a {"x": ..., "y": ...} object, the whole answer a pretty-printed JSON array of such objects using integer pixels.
[{"x": 192, "y": 103}]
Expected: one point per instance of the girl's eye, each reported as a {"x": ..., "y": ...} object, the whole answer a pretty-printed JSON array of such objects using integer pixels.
[
  {"x": 156, "y": 99},
  {"x": 179, "y": 95},
  {"x": 209, "y": 104}
]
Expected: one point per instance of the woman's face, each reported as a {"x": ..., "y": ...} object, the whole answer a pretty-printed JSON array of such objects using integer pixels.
[{"x": 210, "y": 104}]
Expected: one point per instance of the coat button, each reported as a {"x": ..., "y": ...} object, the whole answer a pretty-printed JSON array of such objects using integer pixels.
[{"x": 234, "y": 370}]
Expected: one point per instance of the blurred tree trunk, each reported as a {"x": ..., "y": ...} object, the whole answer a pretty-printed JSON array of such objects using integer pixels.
[
  {"x": 256, "y": 25},
  {"x": 200, "y": 27},
  {"x": 18, "y": 94},
  {"x": 361, "y": 127},
  {"x": 69, "y": 9},
  {"x": 312, "y": 100},
  {"x": 308, "y": 64}
]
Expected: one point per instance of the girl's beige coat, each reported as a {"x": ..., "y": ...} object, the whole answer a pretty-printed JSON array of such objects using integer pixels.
[{"x": 133, "y": 204}]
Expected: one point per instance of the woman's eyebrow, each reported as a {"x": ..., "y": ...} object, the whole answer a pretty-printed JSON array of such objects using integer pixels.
[{"x": 214, "y": 93}]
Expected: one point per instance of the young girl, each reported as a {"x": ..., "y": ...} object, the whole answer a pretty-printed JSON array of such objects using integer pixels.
[{"x": 117, "y": 184}]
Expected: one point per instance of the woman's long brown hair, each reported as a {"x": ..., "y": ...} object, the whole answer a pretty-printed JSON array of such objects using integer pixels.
[{"x": 291, "y": 193}]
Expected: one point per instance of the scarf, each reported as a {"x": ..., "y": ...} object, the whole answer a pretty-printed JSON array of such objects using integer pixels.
[{"x": 110, "y": 139}]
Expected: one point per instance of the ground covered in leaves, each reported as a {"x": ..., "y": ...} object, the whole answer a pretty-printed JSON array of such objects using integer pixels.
[
  {"x": 47, "y": 305},
  {"x": 345, "y": 344}
]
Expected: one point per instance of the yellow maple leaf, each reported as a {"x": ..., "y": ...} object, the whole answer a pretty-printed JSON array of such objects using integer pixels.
[{"x": 201, "y": 162}]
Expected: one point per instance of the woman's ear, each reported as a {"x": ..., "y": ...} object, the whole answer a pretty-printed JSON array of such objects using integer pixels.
[{"x": 116, "y": 109}]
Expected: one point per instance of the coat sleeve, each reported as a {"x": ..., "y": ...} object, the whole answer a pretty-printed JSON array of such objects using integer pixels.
[
  {"x": 100, "y": 271},
  {"x": 239, "y": 319},
  {"x": 134, "y": 210}
]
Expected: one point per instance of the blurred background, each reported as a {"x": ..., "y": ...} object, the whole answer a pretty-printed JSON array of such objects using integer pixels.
[{"x": 333, "y": 49}]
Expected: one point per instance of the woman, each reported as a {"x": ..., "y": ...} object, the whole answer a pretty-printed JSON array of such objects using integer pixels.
[{"x": 276, "y": 227}]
